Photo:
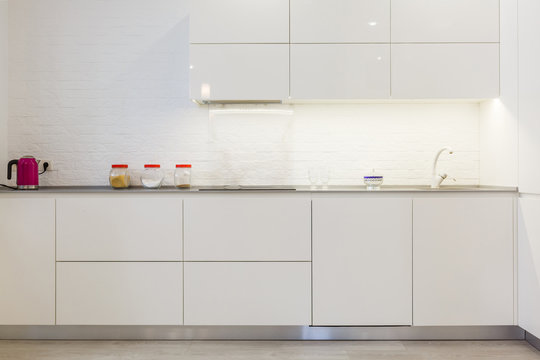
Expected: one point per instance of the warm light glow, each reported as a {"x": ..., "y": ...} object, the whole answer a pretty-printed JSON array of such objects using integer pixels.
[
  {"x": 240, "y": 111},
  {"x": 205, "y": 91}
]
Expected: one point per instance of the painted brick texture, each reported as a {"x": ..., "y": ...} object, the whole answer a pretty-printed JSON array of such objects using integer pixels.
[{"x": 96, "y": 82}]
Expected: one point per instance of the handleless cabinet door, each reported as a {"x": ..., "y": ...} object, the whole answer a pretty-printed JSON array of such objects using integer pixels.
[
  {"x": 247, "y": 229},
  {"x": 340, "y": 71},
  {"x": 445, "y": 21},
  {"x": 529, "y": 264},
  {"x": 362, "y": 261},
  {"x": 119, "y": 293},
  {"x": 119, "y": 229},
  {"x": 343, "y": 21},
  {"x": 239, "y": 72},
  {"x": 26, "y": 261},
  {"x": 463, "y": 261},
  {"x": 239, "y": 21},
  {"x": 529, "y": 106},
  {"x": 255, "y": 293},
  {"x": 439, "y": 71}
]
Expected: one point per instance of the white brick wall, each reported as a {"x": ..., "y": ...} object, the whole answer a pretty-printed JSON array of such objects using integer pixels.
[{"x": 95, "y": 82}]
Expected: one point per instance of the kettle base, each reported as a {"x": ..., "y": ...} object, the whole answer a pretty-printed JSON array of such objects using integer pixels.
[{"x": 28, "y": 187}]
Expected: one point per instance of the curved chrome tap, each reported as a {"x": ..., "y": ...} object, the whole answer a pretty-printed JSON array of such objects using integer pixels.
[{"x": 437, "y": 179}]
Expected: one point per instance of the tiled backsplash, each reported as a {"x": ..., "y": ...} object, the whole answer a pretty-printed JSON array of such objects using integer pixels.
[{"x": 87, "y": 96}]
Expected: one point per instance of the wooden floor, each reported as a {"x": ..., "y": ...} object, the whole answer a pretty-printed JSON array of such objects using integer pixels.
[{"x": 268, "y": 350}]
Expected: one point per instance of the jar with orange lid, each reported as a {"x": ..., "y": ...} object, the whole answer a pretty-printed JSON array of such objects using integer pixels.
[
  {"x": 182, "y": 176},
  {"x": 152, "y": 176},
  {"x": 119, "y": 176}
]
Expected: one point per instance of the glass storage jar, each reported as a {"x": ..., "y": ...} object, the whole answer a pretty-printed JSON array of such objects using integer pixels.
[
  {"x": 119, "y": 176},
  {"x": 152, "y": 176},
  {"x": 182, "y": 176}
]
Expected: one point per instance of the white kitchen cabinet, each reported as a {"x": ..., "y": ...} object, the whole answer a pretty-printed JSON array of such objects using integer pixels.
[
  {"x": 247, "y": 229},
  {"x": 439, "y": 71},
  {"x": 362, "y": 261},
  {"x": 119, "y": 229},
  {"x": 27, "y": 261},
  {"x": 340, "y": 71},
  {"x": 529, "y": 89},
  {"x": 254, "y": 293},
  {"x": 529, "y": 264},
  {"x": 344, "y": 21},
  {"x": 239, "y": 72},
  {"x": 119, "y": 293},
  {"x": 239, "y": 21},
  {"x": 463, "y": 270},
  {"x": 445, "y": 21}
]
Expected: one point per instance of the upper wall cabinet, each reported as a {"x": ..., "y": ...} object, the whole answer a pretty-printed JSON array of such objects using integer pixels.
[
  {"x": 239, "y": 72},
  {"x": 445, "y": 71},
  {"x": 344, "y": 21},
  {"x": 239, "y": 21},
  {"x": 340, "y": 71},
  {"x": 445, "y": 21}
]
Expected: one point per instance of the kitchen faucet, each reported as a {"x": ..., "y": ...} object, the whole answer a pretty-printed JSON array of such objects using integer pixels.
[{"x": 437, "y": 179}]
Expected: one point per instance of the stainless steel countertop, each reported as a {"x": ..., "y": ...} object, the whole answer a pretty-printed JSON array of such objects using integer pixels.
[{"x": 298, "y": 188}]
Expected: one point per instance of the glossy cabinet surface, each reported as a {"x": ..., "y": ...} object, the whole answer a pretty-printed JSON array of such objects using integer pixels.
[
  {"x": 239, "y": 21},
  {"x": 529, "y": 264},
  {"x": 439, "y": 71},
  {"x": 119, "y": 293},
  {"x": 443, "y": 21},
  {"x": 236, "y": 229},
  {"x": 27, "y": 261},
  {"x": 463, "y": 272},
  {"x": 239, "y": 72},
  {"x": 529, "y": 88},
  {"x": 254, "y": 293},
  {"x": 119, "y": 229},
  {"x": 351, "y": 21},
  {"x": 340, "y": 71},
  {"x": 362, "y": 261}
]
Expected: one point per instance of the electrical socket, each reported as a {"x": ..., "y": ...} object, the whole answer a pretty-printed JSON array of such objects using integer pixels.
[{"x": 50, "y": 168}]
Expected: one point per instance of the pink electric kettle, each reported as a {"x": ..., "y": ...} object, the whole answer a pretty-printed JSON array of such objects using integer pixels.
[{"x": 27, "y": 173}]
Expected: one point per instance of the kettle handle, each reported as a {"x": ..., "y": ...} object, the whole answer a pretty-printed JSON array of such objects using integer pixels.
[{"x": 10, "y": 166}]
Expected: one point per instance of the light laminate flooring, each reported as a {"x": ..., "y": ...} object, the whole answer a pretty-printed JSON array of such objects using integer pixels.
[{"x": 267, "y": 350}]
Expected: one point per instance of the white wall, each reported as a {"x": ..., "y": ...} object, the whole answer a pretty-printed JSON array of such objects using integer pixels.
[
  {"x": 3, "y": 87},
  {"x": 101, "y": 82},
  {"x": 499, "y": 117}
]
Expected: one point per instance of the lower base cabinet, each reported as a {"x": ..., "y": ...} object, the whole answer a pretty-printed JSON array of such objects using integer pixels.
[
  {"x": 27, "y": 261},
  {"x": 463, "y": 261},
  {"x": 119, "y": 293},
  {"x": 529, "y": 264},
  {"x": 362, "y": 261},
  {"x": 247, "y": 293}
]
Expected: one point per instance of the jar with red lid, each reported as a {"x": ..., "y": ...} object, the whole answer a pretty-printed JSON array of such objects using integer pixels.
[
  {"x": 182, "y": 176},
  {"x": 152, "y": 176},
  {"x": 119, "y": 176}
]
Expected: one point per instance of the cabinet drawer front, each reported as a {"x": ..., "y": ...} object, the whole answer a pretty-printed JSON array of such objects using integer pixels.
[
  {"x": 445, "y": 21},
  {"x": 247, "y": 293},
  {"x": 239, "y": 72},
  {"x": 119, "y": 293},
  {"x": 239, "y": 21},
  {"x": 362, "y": 261},
  {"x": 352, "y": 21},
  {"x": 229, "y": 229},
  {"x": 340, "y": 71},
  {"x": 463, "y": 262},
  {"x": 26, "y": 261},
  {"x": 113, "y": 229},
  {"x": 455, "y": 71}
]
